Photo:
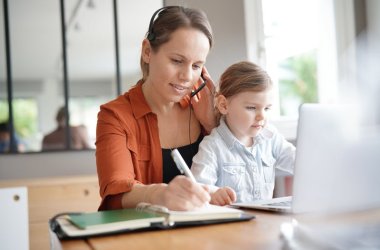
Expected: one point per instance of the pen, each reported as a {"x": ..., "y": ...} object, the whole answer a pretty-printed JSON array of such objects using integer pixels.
[{"x": 181, "y": 164}]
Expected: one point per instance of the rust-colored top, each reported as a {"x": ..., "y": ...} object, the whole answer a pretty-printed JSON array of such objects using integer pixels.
[{"x": 128, "y": 149}]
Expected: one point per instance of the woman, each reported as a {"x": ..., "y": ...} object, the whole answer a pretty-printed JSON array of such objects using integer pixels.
[{"x": 136, "y": 131}]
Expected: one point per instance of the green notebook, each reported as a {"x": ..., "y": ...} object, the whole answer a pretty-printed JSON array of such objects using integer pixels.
[
  {"x": 128, "y": 217},
  {"x": 145, "y": 216}
]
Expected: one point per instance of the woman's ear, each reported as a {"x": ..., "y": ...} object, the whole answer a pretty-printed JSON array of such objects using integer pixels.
[
  {"x": 146, "y": 50},
  {"x": 222, "y": 104}
]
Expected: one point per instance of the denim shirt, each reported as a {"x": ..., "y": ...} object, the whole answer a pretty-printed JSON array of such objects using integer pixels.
[{"x": 223, "y": 161}]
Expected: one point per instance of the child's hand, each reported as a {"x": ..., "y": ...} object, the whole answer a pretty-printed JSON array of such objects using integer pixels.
[{"x": 223, "y": 196}]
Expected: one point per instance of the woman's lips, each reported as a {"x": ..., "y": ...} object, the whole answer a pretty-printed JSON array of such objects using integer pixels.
[{"x": 179, "y": 88}]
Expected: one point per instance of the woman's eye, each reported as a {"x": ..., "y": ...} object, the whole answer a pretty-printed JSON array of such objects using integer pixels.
[
  {"x": 267, "y": 108},
  {"x": 176, "y": 61}
]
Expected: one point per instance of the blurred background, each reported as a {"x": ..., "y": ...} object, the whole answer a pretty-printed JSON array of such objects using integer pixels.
[{"x": 321, "y": 51}]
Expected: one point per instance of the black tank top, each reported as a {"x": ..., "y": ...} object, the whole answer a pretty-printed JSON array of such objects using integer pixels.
[{"x": 187, "y": 152}]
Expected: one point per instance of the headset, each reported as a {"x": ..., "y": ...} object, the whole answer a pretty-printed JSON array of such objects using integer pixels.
[{"x": 151, "y": 36}]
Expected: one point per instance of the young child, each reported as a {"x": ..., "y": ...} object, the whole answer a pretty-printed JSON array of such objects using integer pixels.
[{"x": 238, "y": 159}]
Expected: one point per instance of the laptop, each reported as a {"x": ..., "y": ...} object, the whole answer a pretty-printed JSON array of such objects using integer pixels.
[{"x": 336, "y": 170}]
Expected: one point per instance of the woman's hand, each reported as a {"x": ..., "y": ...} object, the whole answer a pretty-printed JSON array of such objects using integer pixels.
[
  {"x": 203, "y": 103},
  {"x": 223, "y": 196},
  {"x": 182, "y": 194}
]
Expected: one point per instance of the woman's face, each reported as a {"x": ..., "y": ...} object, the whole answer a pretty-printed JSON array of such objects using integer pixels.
[{"x": 177, "y": 64}]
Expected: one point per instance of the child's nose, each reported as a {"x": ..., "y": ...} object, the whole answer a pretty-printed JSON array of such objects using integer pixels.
[{"x": 260, "y": 116}]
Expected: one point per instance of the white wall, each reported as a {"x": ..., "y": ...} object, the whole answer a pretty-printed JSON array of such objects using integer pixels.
[
  {"x": 228, "y": 23},
  {"x": 373, "y": 26},
  {"x": 372, "y": 71}
]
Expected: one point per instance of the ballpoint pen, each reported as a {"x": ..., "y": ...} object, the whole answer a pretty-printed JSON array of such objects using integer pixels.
[{"x": 181, "y": 164}]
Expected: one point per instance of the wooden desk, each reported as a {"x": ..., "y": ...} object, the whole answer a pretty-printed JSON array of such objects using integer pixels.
[
  {"x": 260, "y": 233},
  {"x": 49, "y": 196}
]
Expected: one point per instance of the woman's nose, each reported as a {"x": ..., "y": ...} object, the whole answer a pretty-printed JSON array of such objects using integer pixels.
[{"x": 186, "y": 74}]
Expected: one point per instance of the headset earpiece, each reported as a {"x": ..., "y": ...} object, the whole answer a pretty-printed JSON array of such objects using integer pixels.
[{"x": 151, "y": 36}]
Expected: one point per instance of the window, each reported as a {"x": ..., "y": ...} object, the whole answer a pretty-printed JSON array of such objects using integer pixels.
[
  {"x": 25, "y": 120},
  {"x": 297, "y": 43},
  {"x": 38, "y": 87}
]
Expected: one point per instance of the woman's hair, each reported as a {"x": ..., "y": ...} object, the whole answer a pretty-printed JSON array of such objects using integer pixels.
[
  {"x": 242, "y": 77},
  {"x": 170, "y": 19}
]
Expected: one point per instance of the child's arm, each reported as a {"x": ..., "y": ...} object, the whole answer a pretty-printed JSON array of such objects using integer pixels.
[
  {"x": 284, "y": 152},
  {"x": 205, "y": 163},
  {"x": 223, "y": 196}
]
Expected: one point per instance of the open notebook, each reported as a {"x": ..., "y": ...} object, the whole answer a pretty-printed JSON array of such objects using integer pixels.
[
  {"x": 333, "y": 172},
  {"x": 145, "y": 216}
]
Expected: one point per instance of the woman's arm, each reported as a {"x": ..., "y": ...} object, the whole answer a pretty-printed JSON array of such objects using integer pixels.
[
  {"x": 114, "y": 161},
  {"x": 180, "y": 194}
]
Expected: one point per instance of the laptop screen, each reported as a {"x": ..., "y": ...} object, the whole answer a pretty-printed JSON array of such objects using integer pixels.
[{"x": 335, "y": 163}]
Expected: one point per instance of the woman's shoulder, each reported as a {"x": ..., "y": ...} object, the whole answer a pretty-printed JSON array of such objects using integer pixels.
[
  {"x": 126, "y": 103},
  {"x": 118, "y": 107}
]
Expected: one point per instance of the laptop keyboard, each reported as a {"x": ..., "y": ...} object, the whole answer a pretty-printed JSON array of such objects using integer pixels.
[{"x": 281, "y": 204}]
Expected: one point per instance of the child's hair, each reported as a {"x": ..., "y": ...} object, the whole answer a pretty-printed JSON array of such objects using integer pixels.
[
  {"x": 171, "y": 19},
  {"x": 242, "y": 77}
]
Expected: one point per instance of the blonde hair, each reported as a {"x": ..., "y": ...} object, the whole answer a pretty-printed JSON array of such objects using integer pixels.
[
  {"x": 168, "y": 21},
  {"x": 242, "y": 77}
]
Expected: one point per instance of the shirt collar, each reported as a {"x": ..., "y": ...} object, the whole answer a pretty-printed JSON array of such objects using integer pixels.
[
  {"x": 226, "y": 134},
  {"x": 265, "y": 134},
  {"x": 140, "y": 106}
]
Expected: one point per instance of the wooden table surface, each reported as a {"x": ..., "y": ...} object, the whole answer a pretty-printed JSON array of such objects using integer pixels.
[
  {"x": 263, "y": 232},
  {"x": 260, "y": 233}
]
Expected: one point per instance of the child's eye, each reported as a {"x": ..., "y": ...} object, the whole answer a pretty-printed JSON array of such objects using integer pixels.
[
  {"x": 250, "y": 108},
  {"x": 196, "y": 67},
  {"x": 267, "y": 108}
]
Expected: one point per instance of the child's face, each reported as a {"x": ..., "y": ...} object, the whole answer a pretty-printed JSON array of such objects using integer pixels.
[{"x": 246, "y": 114}]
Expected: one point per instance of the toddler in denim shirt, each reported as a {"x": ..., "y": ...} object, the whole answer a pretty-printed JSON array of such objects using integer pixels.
[{"x": 238, "y": 159}]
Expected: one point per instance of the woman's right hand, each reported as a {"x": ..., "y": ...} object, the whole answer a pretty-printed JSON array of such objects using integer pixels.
[{"x": 182, "y": 194}]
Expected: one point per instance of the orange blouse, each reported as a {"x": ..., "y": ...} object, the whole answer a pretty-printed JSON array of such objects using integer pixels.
[{"x": 128, "y": 149}]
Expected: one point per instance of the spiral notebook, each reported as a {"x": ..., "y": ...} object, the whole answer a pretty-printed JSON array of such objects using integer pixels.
[{"x": 144, "y": 217}]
